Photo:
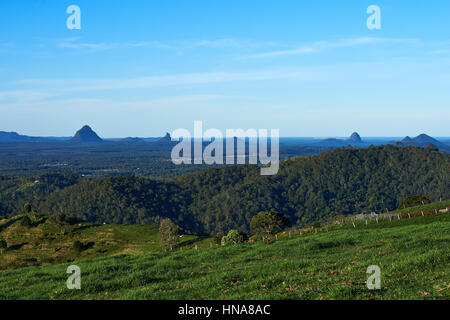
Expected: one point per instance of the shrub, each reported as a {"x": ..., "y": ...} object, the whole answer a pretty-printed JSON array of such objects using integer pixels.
[
  {"x": 78, "y": 246},
  {"x": 316, "y": 225},
  {"x": 218, "y": 237},
  {"x": 255, "y": 237},
  {"x": 27, "y": 208},
  {"x": 3, "y": 245},
  {"x": 26, "y": 222},
  {"x": 413, "y": 201},
  {"x": 59, "y": 219},
  {"x": 233, "y": 237}
]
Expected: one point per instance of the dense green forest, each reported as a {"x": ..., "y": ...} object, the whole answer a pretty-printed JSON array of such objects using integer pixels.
[{"x": 306, "y": 189}]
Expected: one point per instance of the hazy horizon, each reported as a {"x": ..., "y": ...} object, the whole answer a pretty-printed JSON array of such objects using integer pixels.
[
  {"x": 318, "y": 137},
  {"x": 140, "y": 68}
]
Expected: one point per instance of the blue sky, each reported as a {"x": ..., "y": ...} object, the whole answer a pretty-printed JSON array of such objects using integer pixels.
[{"x": 308, "y": 68}]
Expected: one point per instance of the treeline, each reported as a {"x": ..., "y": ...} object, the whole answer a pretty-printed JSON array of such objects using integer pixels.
[{"x": 306, "y": 189}]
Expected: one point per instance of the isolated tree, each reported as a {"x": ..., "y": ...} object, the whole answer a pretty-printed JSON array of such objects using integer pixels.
[
  {"x": 233, "y": 237},
  {"x": 27, "y": 208},
  {"x": 268, "y": 223},
  {"x": 3, "y": 245},
  {"x": 218, "y": 237},
  {"x": 168, "y": 234}
]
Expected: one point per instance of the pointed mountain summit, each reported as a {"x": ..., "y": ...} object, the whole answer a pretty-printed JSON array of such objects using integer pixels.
[
  {"x": 167, "y": 137},
  {"x": 407, "y": 140},
  {"x": 421, "y": 140},
  {"x": 86, "y": 134},
  {"x": 425, "y": 139},
  {"x": 355, "y": 138}
]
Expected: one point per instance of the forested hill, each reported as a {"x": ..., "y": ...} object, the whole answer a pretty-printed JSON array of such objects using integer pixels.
[
  {"x": 307, "y": 189},
  {"x": 342, "y": 181}
]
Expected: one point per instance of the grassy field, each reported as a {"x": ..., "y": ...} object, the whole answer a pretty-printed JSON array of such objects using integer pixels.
[
  {"x": 46, "y": 243},
  {"x": 413, "y": 254}
]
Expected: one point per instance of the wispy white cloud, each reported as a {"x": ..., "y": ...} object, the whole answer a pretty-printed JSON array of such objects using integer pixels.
[
  {"x": 291, "y": 52},
  {"x": 74, "y": 43},
  {"x": 217, "y": 43},
  {"x": 162, "y": 81},
  {"x": 89, "y": 105},
  {"x": 22, "y": 96},
  {"x": 327, "y": 73},
  {"x": 232, "y": 43},
  {"x": 221, "y": 43},
  {"x": 320, "y": 46}
]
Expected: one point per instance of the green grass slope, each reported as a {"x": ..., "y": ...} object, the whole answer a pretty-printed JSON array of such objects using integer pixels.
[
  {"x": 413, "y": 254},
  {"x": 45, "y": 243}
]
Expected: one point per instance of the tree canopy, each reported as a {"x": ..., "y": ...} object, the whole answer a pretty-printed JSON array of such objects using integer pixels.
[
  {"x": 268, "y": 223},
  {"x": 168, "y": 234}
]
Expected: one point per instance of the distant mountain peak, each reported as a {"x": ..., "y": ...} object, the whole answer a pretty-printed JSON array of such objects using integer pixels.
[
  {"x": 167, "y": 137},
  {"x": 421, "y": 140},
  {"x": 425, "y": 139},
  {"x": 423, "y": 136},
  {"x": 86, "y": 134},
  {"x": 355, "y": 137},
  {"x": 407, "y": 139}
]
